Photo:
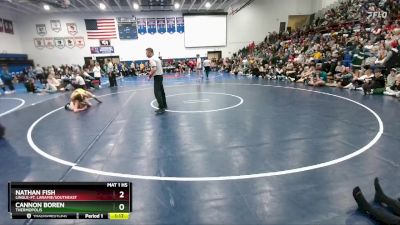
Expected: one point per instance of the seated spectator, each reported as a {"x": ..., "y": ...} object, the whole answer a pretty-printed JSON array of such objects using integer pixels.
[
  {"x": 52, "y": 85},
  {"x": 319, "y": 78},
  {"x": 262, "y": 71},
  {"x": 345, "y": 78},
  {"x": 30, "y": 86},
  {"x": 290, "y": 71},
  {"x": 280, "y": 73},
  {"x": 307, "y": 74},
  {"x": 6, "y": 80},
  {"x": 255, "y": 71},
  {"x": 394, "y": 90},
  {"x": 78, "y": 81},
  {"x": 374, "y": 85}
]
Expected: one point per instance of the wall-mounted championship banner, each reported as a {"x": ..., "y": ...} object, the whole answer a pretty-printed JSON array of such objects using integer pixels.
[
  {"x": 171, "y": 25},
  {"x": 59, "y": 42},
  {"x": 102, "y": 50},
  {"x": 1, "y": 25},
  {"x": 69, "y": 42},
  {"x": 127, "y": 28},
  {"x": 151, "y": 25},
  {"x": 39, "y": 43},
  {"x": 72, "y": 28},
  {"x": 55, "y": 25},
  {"x": 141, "y": 24},
  {"x": 105, "y": 42},
  {"x": 8, "y": 26},
  {"x": 161, "y": 27},
  {"x": 49, "y": 42},
  {"x": 79, "y": 42},
  {"x": 41, "y": 29},
  {"x": 180, "y": 25}
]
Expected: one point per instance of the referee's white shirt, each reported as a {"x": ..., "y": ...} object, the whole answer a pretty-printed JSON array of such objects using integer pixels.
[{"x": 156, "y": 62}]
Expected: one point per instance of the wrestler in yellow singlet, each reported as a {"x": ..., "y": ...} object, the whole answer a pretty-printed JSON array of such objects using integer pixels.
[{"x": 80, "y": 100}]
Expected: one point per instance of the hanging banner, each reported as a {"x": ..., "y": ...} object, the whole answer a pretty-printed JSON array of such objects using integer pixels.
[
  {"x": 55, "y": 25},
  {"x": 127, "y": 28},
  {"x": 69, "y": 42},
  {"x": 180, "y": 25},
  {"x": 59, "y": 42},
  {"x": 105, "y": 42},
  {"x": 161, "y": 28},
  {"x": 41, "y": 29},
  {"x": 8, "y": 26},
  {"x": 49, "y": 42},
  {"x": 72, "y": 28},
  {"x": 151, "y": 26},
  {"x": 1, "y": 25},
  {"x": 171, "y": 25},
  {"x": 141, "y": 24},
  {"x": 79, "y": 42},
  {"x": 102, "y": 50},
  {"x": 39, "y": 43}
]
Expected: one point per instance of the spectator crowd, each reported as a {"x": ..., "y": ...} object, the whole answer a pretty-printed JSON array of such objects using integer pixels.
[{"x": 354, "y": 45}]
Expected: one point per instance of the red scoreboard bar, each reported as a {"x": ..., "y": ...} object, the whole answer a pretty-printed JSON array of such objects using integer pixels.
[{"x": 70, "y": 200}]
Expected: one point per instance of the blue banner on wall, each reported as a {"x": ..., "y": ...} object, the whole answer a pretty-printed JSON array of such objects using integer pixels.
[
  {"x": 180, "y": 25},
  {"x": 151, "y": 25},
  {"x": 141, "y": 23},
  {"x": 171, "y": 25},
  {"x": 161, "y": 27}
]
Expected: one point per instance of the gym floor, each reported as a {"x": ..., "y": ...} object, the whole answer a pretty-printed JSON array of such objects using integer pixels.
[{"x": 230, "y": 150}]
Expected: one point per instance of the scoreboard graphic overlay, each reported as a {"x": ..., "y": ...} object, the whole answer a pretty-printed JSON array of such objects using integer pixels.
[{"x": 70, "y": 200}]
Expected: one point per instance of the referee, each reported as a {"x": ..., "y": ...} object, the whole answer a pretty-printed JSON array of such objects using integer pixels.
[{"x": 157, "y": 72}]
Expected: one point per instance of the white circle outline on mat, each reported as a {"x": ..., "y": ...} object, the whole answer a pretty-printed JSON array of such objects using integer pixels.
[
  {"x": 15, "y": 108},
  {"x": 201, "y": 111},
  {"x": 74, "y": 166}
]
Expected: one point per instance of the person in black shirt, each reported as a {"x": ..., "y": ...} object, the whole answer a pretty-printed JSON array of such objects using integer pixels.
[{"x": 378, "y": 81}]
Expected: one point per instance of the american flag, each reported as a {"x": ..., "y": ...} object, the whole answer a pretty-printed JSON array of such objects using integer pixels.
[{"x": 101, "y": 28}]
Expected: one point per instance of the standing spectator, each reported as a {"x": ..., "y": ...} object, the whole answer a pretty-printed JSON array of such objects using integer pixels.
[
  {"x": 198, "y": 65},
  {"x": 39, "y": 73},
  {"x": 133, "y": 69},
  {"x": 111, "y": 74},
  {"x": 97, "y": 73},
  {"x": 207, "y": 66}
]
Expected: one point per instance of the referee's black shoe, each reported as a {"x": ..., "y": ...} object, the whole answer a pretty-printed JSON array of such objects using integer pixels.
[{"x": 160, "y": 111}]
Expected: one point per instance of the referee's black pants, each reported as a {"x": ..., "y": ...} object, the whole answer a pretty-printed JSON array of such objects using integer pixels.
[{"x": 159, "y": 92}]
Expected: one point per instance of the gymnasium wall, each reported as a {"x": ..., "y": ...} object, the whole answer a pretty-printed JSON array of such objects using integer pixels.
[
  {"x": 322, "y": 4},
  {"x": 250, "y": 24},
  {"x": 10, "y": 43},
  {"x": 255, "y": 21},
  {"x": 167, "y": 45}
]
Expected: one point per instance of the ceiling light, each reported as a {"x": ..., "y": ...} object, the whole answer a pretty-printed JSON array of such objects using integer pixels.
[
  {"x": 176, "y": 5},
  {"x": 102, "y": 6},
  {"x": 46, "y": 7},
  {"x": 208, "y": 5},
  {"x": 135, "y": 6}
]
